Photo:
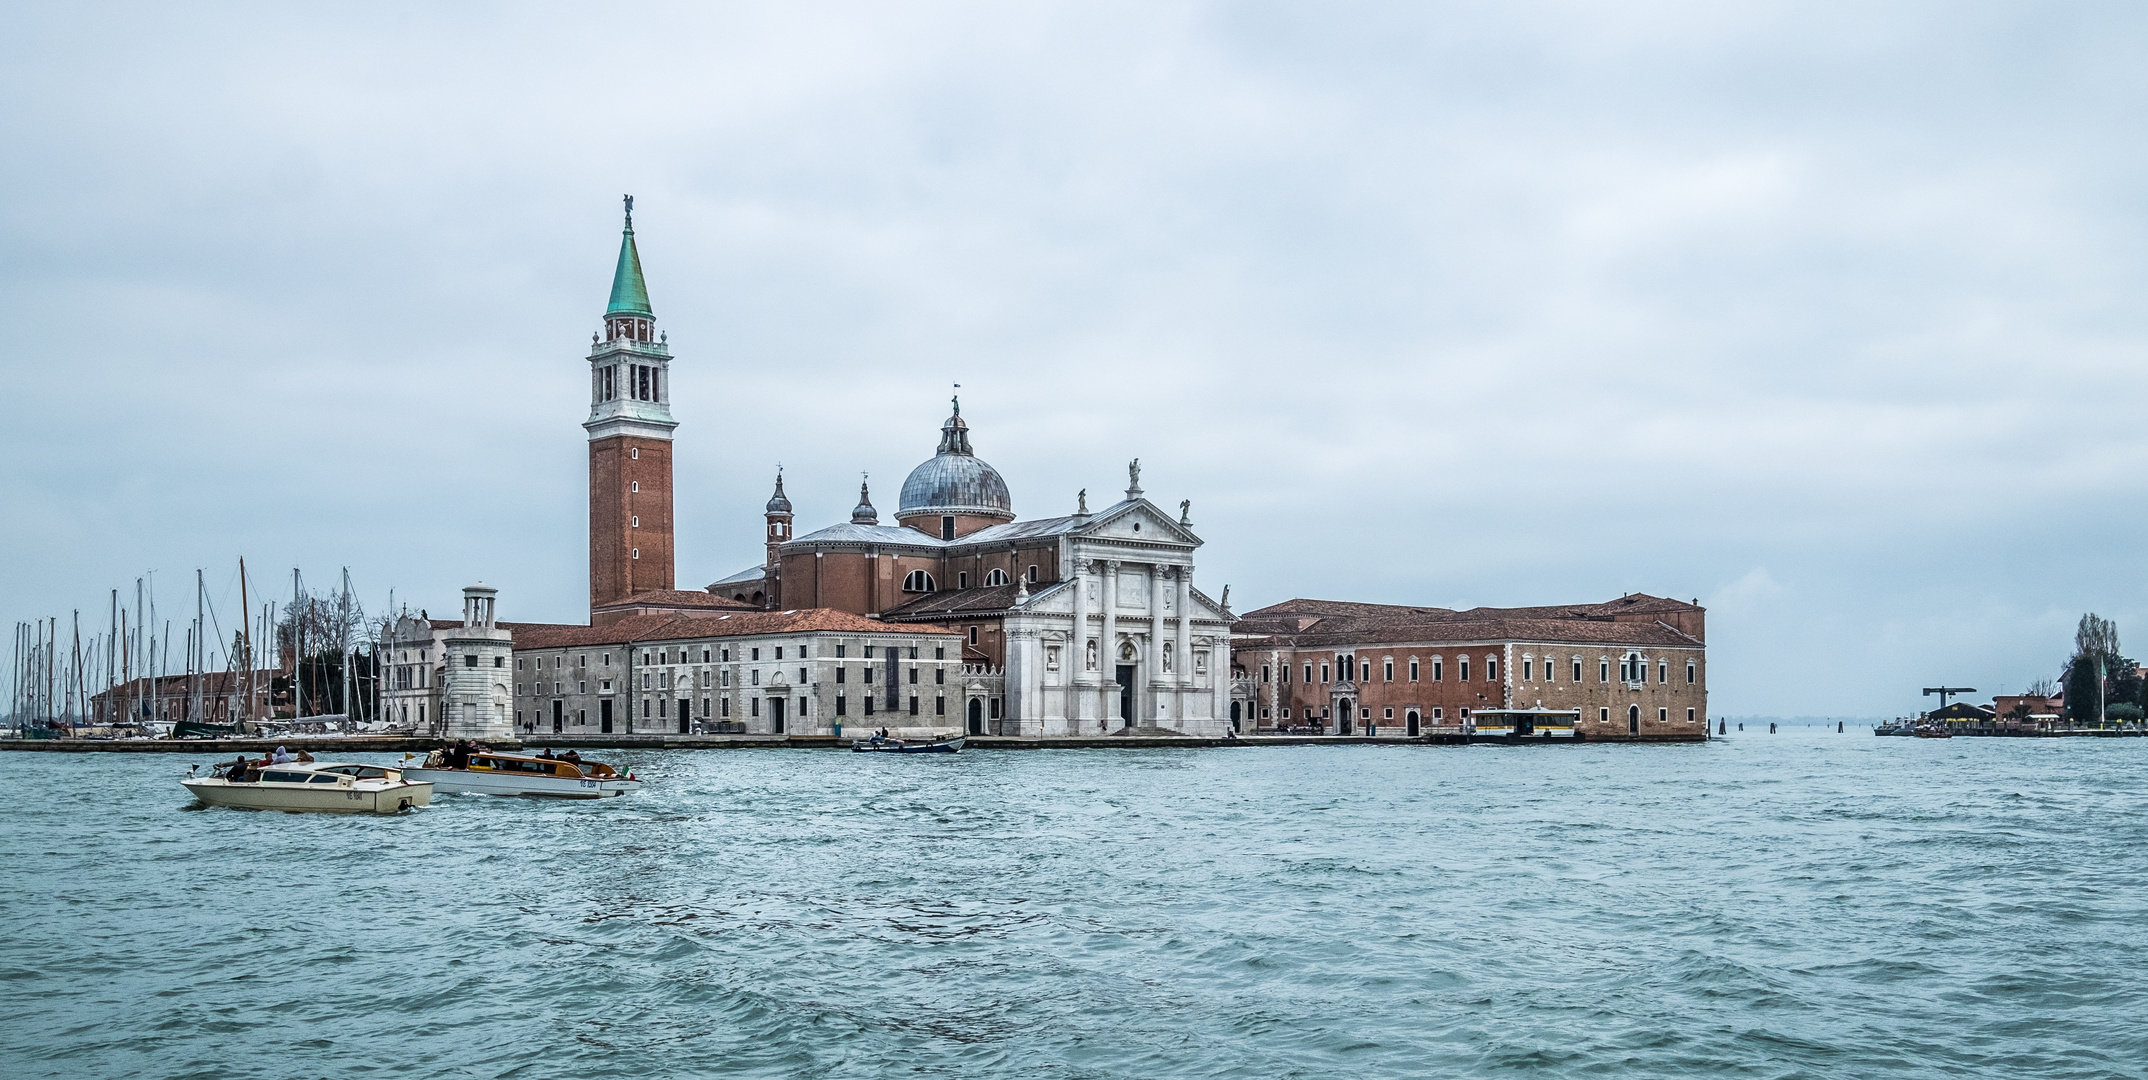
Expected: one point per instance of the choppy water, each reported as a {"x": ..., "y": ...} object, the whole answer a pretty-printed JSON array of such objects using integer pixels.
[{"x": 1805, "y": 904}]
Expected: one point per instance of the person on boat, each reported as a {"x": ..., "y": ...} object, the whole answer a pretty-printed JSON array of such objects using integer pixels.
[
  {"x": 280, "y": 756},
  {"x": 573, "y": 756},
  {"x": 302, "y": 756},
  {"x": 236, "y": 771}
]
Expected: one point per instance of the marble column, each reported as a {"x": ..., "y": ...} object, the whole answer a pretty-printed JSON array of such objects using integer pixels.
[
  {"x": 1107, "y": 651},
  {"x": 1152, "y": 693},
  {"x": 1080, "y": 699},
  {"x": 1217, "y": 675}
]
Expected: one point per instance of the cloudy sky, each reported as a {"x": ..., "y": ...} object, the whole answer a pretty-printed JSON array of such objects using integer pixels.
[{"x": 1829, "y": 316}]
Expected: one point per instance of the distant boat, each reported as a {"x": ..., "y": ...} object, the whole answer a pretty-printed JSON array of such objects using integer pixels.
[
  {"x": 490, "y": 772},
  {"x": 1933, "y": 731},
  {"x": 897, "y": 746},
  {"x": 310, "y": 787}
]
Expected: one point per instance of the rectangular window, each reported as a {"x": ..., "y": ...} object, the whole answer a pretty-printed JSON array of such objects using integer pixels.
[
  {"x": 1689, "y": 673},
  {"x": 467, "y": 661},
  {"x": 1286, "y": 712},
  {"x": 1464, "y": 668},
  {"x": 1663, "y": 716},
  {"x": 704, "y": 656},
  {"x": 779, "y": 652},
  {"x": 756, "y": 676},
  {"x": 1577, "y": 669},
  {"x": 973, "y": 636},
  {"x": 939, "y": 675},
  {"x": 1663, "y": 671},
  {"x": 868, "y": 704},
  {"x": 962, "y": 579},
  {"x": 756, "y": 654},
  {"x": 840, "y": 671},
  {"x": 841, "y": 650},
  {"x": 1689, "y": 716},
  {"x": 1439, "y": 669},
  {"x": 1603, "y": 716},
  {"x": 939, "y": 652},
  {"x": 868, "y": 656},
  {"x": 1308, "y": 673},
  {"x": 947, "y": 528},
  {"x": 1491, "y": 670},
  {"x": 913, "y": 676},
  {"x": 939, "y": 705},
  {"x": 1603, "y": 671},
  {"x": 1436, "y": 713},
  {"x": 1323, "y": 671},
  {"x": 1388, "y": 669},
  {"x": 726, "y": 706},
  {"x": 1413, "y": 669},
  {"x": 1527, "y": 666},
  {"x": 841, "y": 705},
  {"x": 753, "y": 706},
  {"x": 725, "y": 655},
  {"x": 1265, "y": 673},
  {"x": 802, "y": 678},
  {"x": 913, "y": 704}
]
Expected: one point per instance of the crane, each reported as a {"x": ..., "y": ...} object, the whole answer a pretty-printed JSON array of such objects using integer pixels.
[{"x": 1945, "y": 692}]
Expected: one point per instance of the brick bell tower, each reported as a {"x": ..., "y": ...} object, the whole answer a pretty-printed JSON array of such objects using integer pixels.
[{"x": 629, "y": 427}]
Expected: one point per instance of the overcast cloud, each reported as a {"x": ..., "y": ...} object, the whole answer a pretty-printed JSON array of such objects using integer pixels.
[{"x": 1828, "y": 316}]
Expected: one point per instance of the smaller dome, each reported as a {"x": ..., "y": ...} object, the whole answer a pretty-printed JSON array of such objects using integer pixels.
[
  {"x": 778, "y": 504},
  {"x": 863, "y": 513}
]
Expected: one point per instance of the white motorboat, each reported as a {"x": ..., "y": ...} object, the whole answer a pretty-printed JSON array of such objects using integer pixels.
[
  {"x": 490, "y": 772},
  {"x": 311, "y": 787}
]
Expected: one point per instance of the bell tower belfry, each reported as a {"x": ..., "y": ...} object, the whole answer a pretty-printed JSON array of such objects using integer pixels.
[{"x": 629, "y": 425}]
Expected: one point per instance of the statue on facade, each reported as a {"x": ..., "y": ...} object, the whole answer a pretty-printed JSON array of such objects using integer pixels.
[
  {"x": 1133, "y": 478},
  {"x": 1083, "y": 507},
  {"x": 1185, "y": 511}
]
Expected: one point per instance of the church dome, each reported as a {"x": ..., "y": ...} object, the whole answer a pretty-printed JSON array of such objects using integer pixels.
[{"x": 955, "y": 481}]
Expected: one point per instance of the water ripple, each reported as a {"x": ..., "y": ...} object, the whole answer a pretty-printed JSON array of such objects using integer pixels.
[{"x": 1798, "y": 905}]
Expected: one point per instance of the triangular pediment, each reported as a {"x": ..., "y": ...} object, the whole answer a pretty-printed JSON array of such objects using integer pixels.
[{"x": 1139, "y": 519}]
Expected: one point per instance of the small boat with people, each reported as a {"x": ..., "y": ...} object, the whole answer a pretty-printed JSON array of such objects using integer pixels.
[
  {"x": 297, "y": 784},
  {"x": 880, "y": 742},
  {"x": 467, "y": 768}
]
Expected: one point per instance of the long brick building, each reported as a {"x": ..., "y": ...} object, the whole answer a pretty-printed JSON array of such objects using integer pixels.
[{"x": 1634, "y": 668}]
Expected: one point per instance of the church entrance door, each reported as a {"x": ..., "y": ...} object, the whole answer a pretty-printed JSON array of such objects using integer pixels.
[
  {"x": 976, "y": 716},
  {"x": 1126, "y": 693},
  {"x": 1343, "y": 712}
]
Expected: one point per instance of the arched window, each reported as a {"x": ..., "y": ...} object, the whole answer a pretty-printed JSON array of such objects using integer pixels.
[
  {"x": 918, "y": 581},
  {"x": 1633, "y": 719},
  {"x": 995, "y": 576},
  {"x": 1032, "y": 573}
]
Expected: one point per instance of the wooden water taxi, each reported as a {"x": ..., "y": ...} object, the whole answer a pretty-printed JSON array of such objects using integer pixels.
[
  {"x": 491, "y": 772},
  {"x": 310, "y": 787}
]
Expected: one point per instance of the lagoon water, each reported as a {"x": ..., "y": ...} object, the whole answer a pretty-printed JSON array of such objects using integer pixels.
[{"x": 1805, "y": 904}]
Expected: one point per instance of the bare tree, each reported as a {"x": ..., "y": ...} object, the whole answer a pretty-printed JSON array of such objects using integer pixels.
[{"x": 2041, "y": 688}]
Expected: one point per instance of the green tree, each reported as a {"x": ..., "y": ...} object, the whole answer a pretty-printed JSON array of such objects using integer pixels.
[{"x": 2095, "y": 659}]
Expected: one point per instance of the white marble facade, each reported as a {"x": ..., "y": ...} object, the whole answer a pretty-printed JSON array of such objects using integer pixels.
[{"x": 1123, "y": 639}]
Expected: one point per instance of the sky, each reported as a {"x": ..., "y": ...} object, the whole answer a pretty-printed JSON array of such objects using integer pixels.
[{"x": 1828, "y": 316}]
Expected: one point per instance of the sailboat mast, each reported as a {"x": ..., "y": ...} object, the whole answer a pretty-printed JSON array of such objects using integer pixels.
[{"x": 245, "y": 647}]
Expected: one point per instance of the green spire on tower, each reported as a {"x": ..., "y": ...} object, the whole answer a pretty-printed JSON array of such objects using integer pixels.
[{"x": 630, "y": 294}]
